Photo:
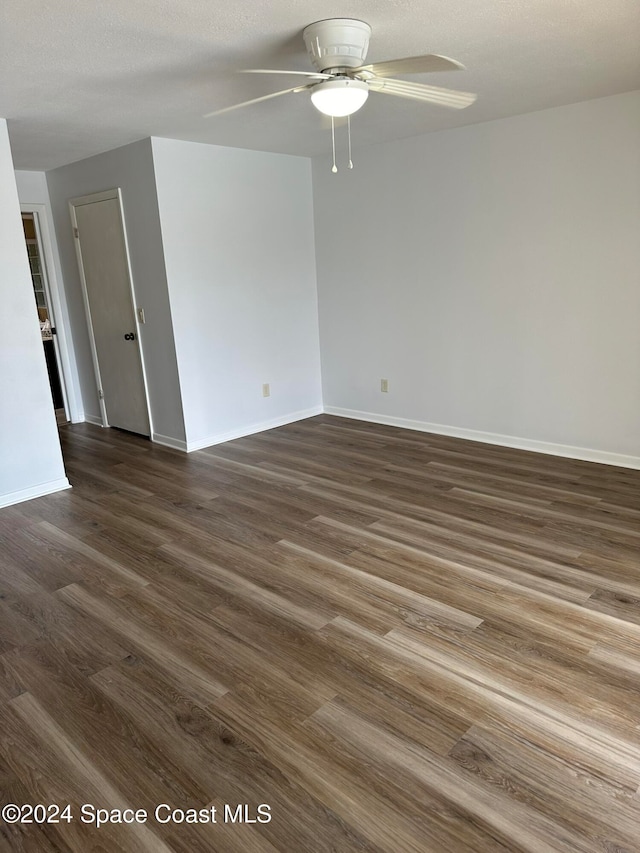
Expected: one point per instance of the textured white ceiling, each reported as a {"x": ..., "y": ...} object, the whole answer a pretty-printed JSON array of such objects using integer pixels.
[{"x": 78, "y": 77}]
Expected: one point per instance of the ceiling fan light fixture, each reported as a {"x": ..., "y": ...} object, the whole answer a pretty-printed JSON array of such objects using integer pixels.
[{"x": 341, "y": 97}]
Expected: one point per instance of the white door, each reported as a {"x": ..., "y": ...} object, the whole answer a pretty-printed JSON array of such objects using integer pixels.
[{"x": 104, "y": 269}]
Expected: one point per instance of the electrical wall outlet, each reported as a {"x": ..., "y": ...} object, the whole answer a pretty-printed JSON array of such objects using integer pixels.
[
  {"x": 266, "y": 390},
  {"x": 384, "y": 385}
]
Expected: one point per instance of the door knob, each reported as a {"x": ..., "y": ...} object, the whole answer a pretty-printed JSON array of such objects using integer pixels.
[{"x": 130, "y": 336}]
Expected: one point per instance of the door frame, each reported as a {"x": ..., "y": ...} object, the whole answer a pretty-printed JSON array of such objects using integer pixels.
[
  {"x": 54, "y": 307},
  {"x": 93, "y": 198}
]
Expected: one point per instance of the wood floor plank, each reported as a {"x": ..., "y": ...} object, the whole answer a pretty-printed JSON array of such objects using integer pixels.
[
  {"x": 239, "y": 586},
  {"x": 22, "y": 838},
  {"x": 400, "y": 642},
  {"x": 121, "y": 752},
  {"x": 384, "y": 822},
  {"x": 515, "y": 828},
  {"x": 232, "y": 772},
  {"x": 385, "y": 593},
  {"x": 400, "y": 708},
  {"x": 188, "y": 673},
  {"x": 540, "y": 780},
  {"x": 55, "y": 770},
  {"x": 410, "y": 539}
]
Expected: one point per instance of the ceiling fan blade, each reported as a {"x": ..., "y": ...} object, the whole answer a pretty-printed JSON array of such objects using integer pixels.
[
  {"x": 412, "y": 65},
  {"x": 257, "y": 100},
  {"x": 419, "y": 92},
  {"x": 318, "y": 75}
]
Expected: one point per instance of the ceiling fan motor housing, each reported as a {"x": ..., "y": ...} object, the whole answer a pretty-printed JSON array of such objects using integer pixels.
[{"x": 337, "y": 43}]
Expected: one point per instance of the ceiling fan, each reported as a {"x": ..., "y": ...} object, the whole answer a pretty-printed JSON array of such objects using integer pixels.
[{"x": 341, "y": 84}]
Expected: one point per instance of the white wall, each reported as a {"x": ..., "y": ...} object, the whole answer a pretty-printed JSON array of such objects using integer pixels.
[
  {"x": 30, "y": 457},
  {"x": 33, "y": 191},
  {"x": 237, "y": 229},
  {"x": 492, "y": 274},
  {"x": 131, "y": 169}
]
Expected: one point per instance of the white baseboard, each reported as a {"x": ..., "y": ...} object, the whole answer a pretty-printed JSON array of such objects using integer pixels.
[
  {"x": 583, "y": 453},
  {"x": 253, "y": 428},
  {"x": 38, "y": 491},
  {"x": 93, "y": 419},
  {"x": 169, "y": 441}
]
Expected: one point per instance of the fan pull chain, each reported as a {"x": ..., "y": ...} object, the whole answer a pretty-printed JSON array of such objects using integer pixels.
[
  {"x": 334, "y": 168},
  {"x": 349, "y": 137}
]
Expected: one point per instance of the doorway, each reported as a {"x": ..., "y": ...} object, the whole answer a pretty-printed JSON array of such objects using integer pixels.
[
  {"x": 48, "y": 328},
  {"x": 112, "y": 316}
]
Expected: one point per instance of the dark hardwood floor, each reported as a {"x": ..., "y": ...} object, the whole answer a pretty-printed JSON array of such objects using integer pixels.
[{"x": 395, "y": 641}]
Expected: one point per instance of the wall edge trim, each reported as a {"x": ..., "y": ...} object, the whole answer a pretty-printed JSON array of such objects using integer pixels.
[
  {"x": 93, "y": 419},
  {"x": 585, "y": 454},
  {"x": 260, "y": 426},
  {"x": 32, "y": 492},
  {"x": 169, "y": 441}
]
